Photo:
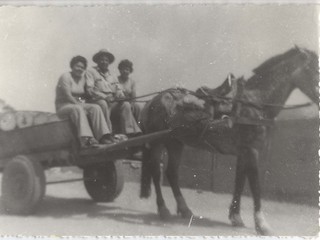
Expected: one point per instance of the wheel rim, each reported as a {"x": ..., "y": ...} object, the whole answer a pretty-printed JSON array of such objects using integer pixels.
[
  {"x": 103, "y": 182},
  {"x": 19, "y": 186}
]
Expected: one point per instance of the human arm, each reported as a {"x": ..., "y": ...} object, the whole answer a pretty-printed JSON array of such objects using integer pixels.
[
  {"x": 95, "y": 94},
  {"x": 129, "y": 88},
  {"x": 118, "y": 89},
  {"x": 64, "y": 90},
  {"x": 94, "y": 89},
  {"x": 133, "y": 93},
  {"x": 119, "y": 94}
]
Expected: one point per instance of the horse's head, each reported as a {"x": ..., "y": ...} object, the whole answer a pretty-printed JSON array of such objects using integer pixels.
[
  {"x": 306, "y": 76},
  {"x": 279, "y": 75}
]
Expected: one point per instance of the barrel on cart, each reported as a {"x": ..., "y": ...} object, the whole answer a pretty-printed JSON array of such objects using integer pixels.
[{"x": 25, "y": 153}]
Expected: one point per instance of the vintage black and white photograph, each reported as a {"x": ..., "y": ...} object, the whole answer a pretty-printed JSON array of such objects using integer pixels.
[{"x": 159, "y": 119}]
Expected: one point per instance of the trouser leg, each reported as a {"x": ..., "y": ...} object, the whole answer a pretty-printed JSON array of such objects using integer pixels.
[
  {"x": 136, "y": 110},
  {"x": 78, "y": 116},
  {"x": 128, "y": 123},
  {"x": 106, "y": 109},
  {"x": 98, "y": 122}
]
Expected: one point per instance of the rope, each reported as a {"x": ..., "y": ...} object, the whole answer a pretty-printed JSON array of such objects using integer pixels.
[{"x": 142, "y": 96}]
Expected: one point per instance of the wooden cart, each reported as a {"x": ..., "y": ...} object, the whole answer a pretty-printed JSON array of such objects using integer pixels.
[{"x": 26, "y": 153}]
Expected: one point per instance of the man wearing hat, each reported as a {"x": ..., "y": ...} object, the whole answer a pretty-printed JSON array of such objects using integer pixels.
[{"x": 106, "y": 90}]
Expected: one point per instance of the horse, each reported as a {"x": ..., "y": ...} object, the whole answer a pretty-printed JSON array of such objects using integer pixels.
[{"x": 261, "y": 97}]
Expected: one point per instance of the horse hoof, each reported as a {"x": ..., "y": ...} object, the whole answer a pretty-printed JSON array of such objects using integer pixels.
[
  {"x": 261, "y": 225},
  {"x": 164, "y": 213},
  {"x": 236, "y": 220},
  {"x": 185, "y": 213},
  {"x": 263, "y": 231}
]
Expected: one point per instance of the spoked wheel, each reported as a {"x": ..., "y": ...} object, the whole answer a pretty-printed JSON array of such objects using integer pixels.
[
  {"x": 23, "y": 185},
  {"x": 104, "y": 182}
]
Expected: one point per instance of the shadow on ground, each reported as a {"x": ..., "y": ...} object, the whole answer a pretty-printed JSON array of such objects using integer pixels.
[{"x": 67, "y": 207}]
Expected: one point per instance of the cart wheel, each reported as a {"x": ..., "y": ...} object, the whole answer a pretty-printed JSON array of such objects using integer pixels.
[
  {"x": 23, "y": 185},
  {"x": 104, "y": 182}
]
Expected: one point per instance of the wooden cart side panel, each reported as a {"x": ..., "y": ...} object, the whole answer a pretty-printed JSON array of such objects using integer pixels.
[
  {"x": 55, "y": 144},
  {"x": 39, "y": 138}
]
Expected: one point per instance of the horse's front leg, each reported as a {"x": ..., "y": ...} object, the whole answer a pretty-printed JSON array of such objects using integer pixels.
[
  {"x": 234, "y": 211},
  {"x": 155, "y": 166},
  {"x": 174, "y": 149},
  {"x": 261, "y": 225}
]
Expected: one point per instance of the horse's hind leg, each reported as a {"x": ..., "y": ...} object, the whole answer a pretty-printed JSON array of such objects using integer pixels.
[
  {"x": 174, "y": 149},
  {"x": 155, "y": 155},
  {"x": 234, "y": 211}
]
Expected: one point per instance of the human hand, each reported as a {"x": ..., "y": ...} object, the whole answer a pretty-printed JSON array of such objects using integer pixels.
[
  {"x": 119, "y": 95},
  {"x": 109, "y": 98}
]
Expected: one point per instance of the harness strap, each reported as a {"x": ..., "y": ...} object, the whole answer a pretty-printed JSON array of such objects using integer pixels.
[
  {"x": 260, "y": 105},
  {"x": 252, "y": 121},
  {"x": 297, "y": 105}
]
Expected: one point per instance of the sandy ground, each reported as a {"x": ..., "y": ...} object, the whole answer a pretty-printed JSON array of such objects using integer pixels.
[{"x": 68, "y": 210}]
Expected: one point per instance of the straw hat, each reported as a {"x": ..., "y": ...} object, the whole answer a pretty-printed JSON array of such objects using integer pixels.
[{"x": 103, "y": 52}]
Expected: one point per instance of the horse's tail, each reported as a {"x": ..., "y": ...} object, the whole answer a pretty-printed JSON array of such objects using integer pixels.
[{"x": 145, "y": 183}]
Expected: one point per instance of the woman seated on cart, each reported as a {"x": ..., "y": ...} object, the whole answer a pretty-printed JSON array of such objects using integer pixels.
[
  {"x": 129, "y": 86},
  {"x": 71, "y": 103}
]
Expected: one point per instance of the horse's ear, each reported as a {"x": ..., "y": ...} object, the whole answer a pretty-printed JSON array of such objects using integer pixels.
[
  {"x": 230, "y": 78},
  {"x": 301, "y": 50}
]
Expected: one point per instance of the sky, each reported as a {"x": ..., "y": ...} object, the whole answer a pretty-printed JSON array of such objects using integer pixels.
[{"x": 188, "y": 45}]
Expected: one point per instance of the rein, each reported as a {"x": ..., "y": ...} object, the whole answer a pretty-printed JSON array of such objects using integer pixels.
[
  {"x": 255, "y": 105},
  {"x": 221, "y": 99},
  {"x": 142, "y": 96}
]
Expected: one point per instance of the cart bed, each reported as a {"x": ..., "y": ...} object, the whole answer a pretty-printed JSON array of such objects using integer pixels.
[{"x": 56, "y": 144}]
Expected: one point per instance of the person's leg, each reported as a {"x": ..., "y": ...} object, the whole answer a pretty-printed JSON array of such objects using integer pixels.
[
  {"x": 98, "y": 122},
  {"x": 128, "y": 124},
  {"x": 136, "y": 110},
  {"x": 78, "y": 116},
  {"x": 106, "y": 109}
]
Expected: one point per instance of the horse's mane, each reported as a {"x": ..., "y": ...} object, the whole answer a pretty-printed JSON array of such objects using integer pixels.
[{"x": 276, "y": 63}]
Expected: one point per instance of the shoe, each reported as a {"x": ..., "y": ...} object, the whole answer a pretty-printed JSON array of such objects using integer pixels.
[
  {"x": 92, "y": 142},
  {"x": 106, "y": 139},
  {"x": 88, "y": 142},
  {"x": 120, "y": 138}
]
